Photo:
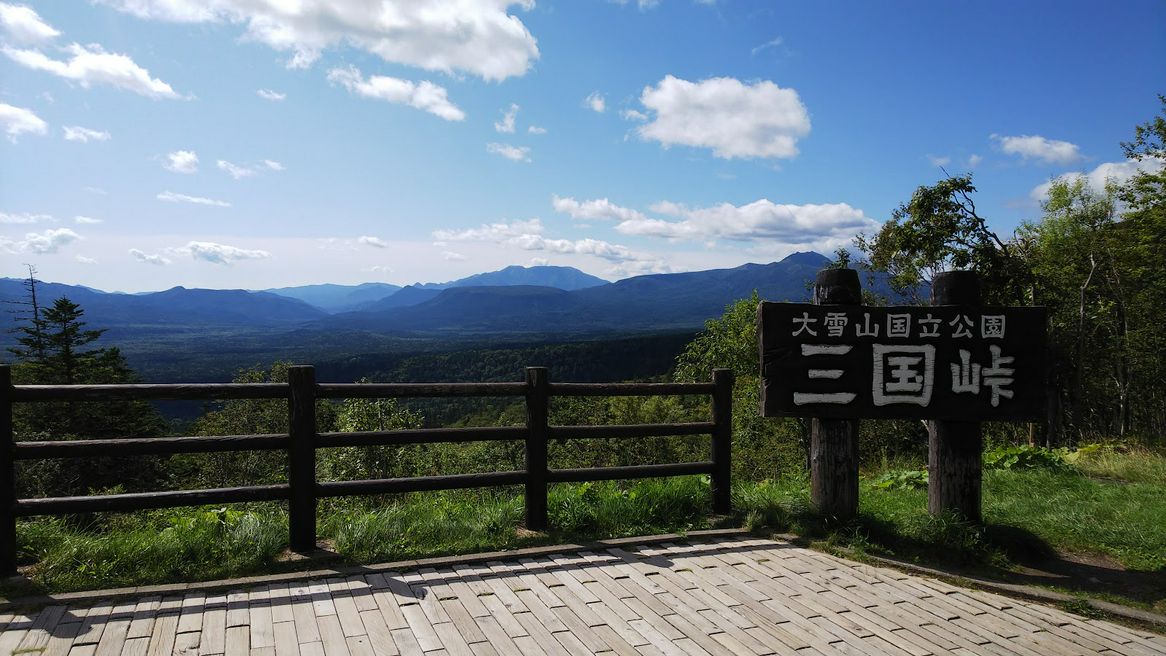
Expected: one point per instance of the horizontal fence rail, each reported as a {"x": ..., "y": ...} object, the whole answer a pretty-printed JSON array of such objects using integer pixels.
[{"x": 303, "y": 490}]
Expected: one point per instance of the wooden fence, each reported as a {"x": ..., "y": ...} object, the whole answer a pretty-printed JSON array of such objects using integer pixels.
[{"x": 303, "y": 439}]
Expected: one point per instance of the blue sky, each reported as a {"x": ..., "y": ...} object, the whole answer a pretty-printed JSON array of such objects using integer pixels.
[{"x": 240, "y": 144}]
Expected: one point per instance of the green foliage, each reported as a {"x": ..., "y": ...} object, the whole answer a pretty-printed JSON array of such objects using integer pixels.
[
  {"x": 902, "y": 479},
  {"x": 369, "y": 462},
  {"x": 939, "y": 229},
  {"x": 1026, "y": 457}
]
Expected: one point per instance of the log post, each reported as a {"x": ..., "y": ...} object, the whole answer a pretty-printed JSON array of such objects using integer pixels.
[
  {"x": 834, "y": 442},
  {"x": 537, "y": 431},
  {"x": 302, "y": 458},
  {"x": 7, "y": 476},
  {"x": 954, "y": 453},
  {"x": 722, "y": 447}
]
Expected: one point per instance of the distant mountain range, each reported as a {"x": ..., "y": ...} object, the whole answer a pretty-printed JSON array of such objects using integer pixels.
[{"x": 514, "y": 300}]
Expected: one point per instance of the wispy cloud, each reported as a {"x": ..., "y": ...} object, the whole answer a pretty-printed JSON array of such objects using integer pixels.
[
  {"x": 86, "y": 220},
  {"x": 273, "y": 96},
  {"x": 514, "y": 153},
  {"x": 507, "y": 123},
  {"x": 90, "y": 65},
  {"x": 84, "y": 135},
  {"x": 155, "y": 259},
  {"x": 214, "y": 253},
  {"x": 595, "y": 102},
  {"x": 171, "y": 197},
  {"x": 41, "y": 243},
  {"x": 181, "y": 161},
  {"x": 23, "y": 218},
  {"x": 375, "y": 242},
  {"x": 425, "y": 95},
  {"x": 772, "y": 43},
  {"x": 23, "y": 25},
  {"x": 18, "y": 120}
]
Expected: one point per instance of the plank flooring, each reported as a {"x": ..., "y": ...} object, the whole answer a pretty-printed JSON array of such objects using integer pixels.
[{"x": 731, "y": 596}]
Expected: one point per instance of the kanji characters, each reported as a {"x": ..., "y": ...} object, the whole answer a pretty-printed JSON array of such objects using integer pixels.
[{"x": 903, "y": 374}]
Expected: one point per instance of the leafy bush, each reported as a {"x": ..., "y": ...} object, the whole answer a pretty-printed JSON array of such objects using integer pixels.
[
  {"x": 1026, "y": 457},
  {"x": 903, "y": 479}
]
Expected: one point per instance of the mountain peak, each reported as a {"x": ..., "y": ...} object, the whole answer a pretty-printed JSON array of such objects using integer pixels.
[{"x": 808, "y": 258}]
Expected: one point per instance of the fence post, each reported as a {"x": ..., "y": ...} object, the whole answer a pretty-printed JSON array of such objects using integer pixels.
[
  {"x": 834, "y": 442},
  {"x": 302, "y": 458},
  {"x": 537, "y": 411},
  {"x": 7, "y": 476},
  {"x": 722, "y": 441},
  {"x": 954, "y": 467}
]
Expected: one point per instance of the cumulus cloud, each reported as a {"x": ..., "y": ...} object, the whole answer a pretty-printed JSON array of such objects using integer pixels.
[
  {"x": 41, "y": 243},
  {"x": 375, "y": 242},
  {"x": 507, "y": 123},
  {"x": 479, "y": 37},
  {"x": 599, "y": 209},
  {"x": 155, "y": 259},
  {"x": 23, "y": 218},
  {"x": 218, "y": 253},
  {"x": 89, "y": 65},
  {"x": 273, "y": 96},
  {"x": 181, "y": 161},
  {"x": 171, "y": 197},
  {"x": 86, "y": 220},
  {"x": 595, "y": 102},
  {"x": 732, "y": 118},
  {"x": 425, "y": 95},
  {"x": 84, "y": 135},
  {"x": 761, "y": 220},
  {"x": 534, "y": 129},
  {"x": 515, "y": 153},
  {"x": 1116, "y": 172},
  {"x": 1037, "y": 147},
  {"x": 23, "y": 25},
  {"x": 527, "y": 235},
  {"x": 18, "y": 121}
]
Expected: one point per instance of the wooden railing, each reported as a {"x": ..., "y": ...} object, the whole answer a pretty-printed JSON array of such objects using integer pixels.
[{"x": 302, "y": 440}]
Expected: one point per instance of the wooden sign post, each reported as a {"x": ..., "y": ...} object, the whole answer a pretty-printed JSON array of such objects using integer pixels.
[{"x": 955, "y": 362}]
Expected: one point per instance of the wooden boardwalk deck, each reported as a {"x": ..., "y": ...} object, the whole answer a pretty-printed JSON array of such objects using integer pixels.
[{"x": 735, "y": 596}]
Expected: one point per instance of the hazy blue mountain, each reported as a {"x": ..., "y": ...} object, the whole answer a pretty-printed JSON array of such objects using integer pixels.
[
  {"x": 652, "y": 302},
  {"x": 559, "y": 277},
  {"x": 338, "y": 298},
  {"x": 174, "y": 307},
  {"x": 404, "y": 297}
]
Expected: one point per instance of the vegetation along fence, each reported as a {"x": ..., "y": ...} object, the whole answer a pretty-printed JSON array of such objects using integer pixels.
[{"x": 302, "y": 440}]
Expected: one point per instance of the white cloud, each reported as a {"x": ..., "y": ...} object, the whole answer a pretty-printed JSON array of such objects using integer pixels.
[
  {"x": 84, "y": 135},
  {"x": 18, "y": 121},
  {"x": 514, "y": 153},
  {"x": 218, "y": 253},
  {"x": 812, "y": 226},
  {"x": 154, "y": 259},
  {"x": 85, "y": 260},
  {"x": 491, "y": 231},
  {"x": 1049, "y": 151},
  {"x": 86, "y": 220},
  {"x": 507, "y": 123},
  {"x": 772, "y": 43},
  {"x": 938, "y": 161},
  {"x": 599, "y": 209},
  {"x": 378, "y": 268},
  {"x": 974, "y": 161},
  {"x": 273, "y": 96},
  {"x": 474, "y": 36},
  {"x": 527, "y": 235},
  {"x": 23, "y": 218},
  {"x": 235, "y": 171},
  {"x": 42, "y": 243},
  {"x": 633, "y": 115},
  {"x": 375, "y": 242},
  {"x": 1116, "y": 172},
  {"x": 181, "y": 161},
  {"x": 274, "y": 165},
  {"x": 425, "y": 95},
  {"x": 171, "y": 197},
  {"x": 731, "y": 118},
  {"x": 539, "y": 261},
  {"x": 90, "y": 65},
  {"x": 595, "y": 102},
  {"x": 534, "y": 129},
  {"x": 23, "y": 25},
  {"x": 450, "y": 256}
]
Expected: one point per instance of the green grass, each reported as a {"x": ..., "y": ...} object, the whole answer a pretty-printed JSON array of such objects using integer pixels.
[{"x": 1028, "y": 513}]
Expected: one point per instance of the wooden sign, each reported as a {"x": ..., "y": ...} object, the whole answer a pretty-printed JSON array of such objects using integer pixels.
[{"x": 941, "y": 362}]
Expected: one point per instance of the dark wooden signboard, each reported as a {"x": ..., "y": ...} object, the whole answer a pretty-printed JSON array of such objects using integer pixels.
[{"x": 941, "y": 362}]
